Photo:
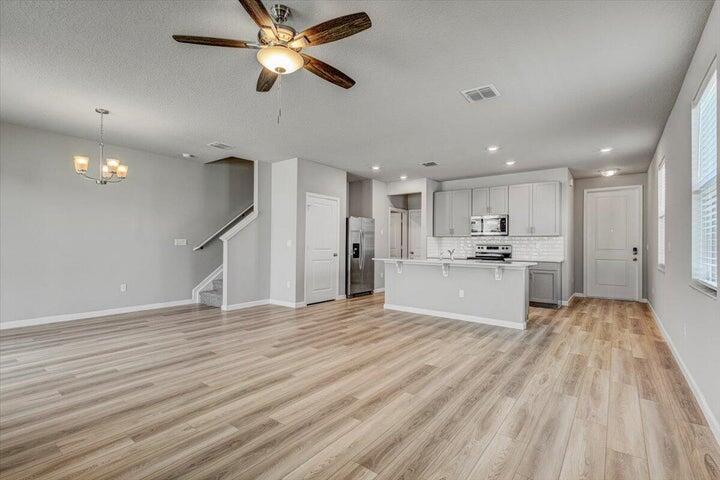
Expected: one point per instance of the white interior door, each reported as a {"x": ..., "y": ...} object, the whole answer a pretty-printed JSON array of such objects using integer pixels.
[
  {"x": 613, "y": 243},
  {"x": 322, "y": 245},
  {"x": 395, "y": 234},
  {"x": 415, "y": 244}
]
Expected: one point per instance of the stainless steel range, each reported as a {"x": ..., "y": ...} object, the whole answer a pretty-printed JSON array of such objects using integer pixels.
[{"x": 496, "y": 253}]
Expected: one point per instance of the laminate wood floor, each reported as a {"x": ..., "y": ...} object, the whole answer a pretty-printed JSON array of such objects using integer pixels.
[{"x": 346, "y": 390}]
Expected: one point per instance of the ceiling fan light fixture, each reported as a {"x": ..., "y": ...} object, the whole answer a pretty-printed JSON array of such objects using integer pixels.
[{"x": 279, "y": 59}]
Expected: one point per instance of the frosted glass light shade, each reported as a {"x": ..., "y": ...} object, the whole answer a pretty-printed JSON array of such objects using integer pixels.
[
  {"x": 113, "y": 164},
  {"x": 81, "y": 163},
  {"x": 106, "y": 173},
  {"x": 279, "y": 59},
  {"x": 122, "y": 171}
]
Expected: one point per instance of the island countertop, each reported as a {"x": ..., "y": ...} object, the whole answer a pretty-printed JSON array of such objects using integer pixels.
[{"x": 459, "y": 262}]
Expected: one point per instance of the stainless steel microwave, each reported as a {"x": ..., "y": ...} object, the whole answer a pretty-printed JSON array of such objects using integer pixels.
[{"x": 489, "y": 225}]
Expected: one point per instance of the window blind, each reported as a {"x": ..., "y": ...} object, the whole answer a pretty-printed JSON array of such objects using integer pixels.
[{"x": 704, "y": 186}]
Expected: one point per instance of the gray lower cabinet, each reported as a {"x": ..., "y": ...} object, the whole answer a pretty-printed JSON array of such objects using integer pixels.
[{"x": 545, "y": 285}]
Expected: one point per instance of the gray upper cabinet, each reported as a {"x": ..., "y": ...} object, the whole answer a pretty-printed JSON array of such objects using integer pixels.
[
  {"x": 519, "y": 207},
  {"x": 498, "y": 200},
  {"x": 480, "y": 201},
  {"x": 461, "y": 213},
  {"x": 451, "y": 213},
  {"x": 442, "y": 214},
  {"x": 490, "y": 200},
  {"x": 546, "y": 208},
  {"x": 534, "y": 209}
]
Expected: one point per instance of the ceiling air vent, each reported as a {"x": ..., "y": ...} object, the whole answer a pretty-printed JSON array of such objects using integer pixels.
[
  {"x": 220, "y": 145},
  {"x": 429, "y": 164},
  {"x": 476, "y": 94}
]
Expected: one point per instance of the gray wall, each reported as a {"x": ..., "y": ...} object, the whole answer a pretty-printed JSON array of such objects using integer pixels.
[
  {"x": 599, "y": 182},
  {"x": 691, "y": 318},
  {"x": 248, "y": 275},
  {"x": 561, "y": 175},
  {"x": 316, "y": 178},
  {"x": 283, "y": 230},
  {"x": 66, "y": 244},
  {"x": 360, "y": 198}
]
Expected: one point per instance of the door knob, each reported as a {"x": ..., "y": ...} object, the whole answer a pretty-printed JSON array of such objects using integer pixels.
[{"x": 334, "y": 254}]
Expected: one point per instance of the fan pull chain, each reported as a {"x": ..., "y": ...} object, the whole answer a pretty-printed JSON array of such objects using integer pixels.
[{"x": 279, "y": 98}]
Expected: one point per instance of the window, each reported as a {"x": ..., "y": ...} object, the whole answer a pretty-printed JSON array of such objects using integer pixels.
[
  {"x": 661, "y": 214},
  {"x": 704, "y": 184}
]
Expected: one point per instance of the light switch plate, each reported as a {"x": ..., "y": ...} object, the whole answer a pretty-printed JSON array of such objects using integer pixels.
[
  {"x": 123, "y": 287},
  {"x": 180, "y": 242}
]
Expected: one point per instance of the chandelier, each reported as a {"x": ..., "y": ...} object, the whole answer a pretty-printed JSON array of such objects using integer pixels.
[{"x": 111, "y": 170}]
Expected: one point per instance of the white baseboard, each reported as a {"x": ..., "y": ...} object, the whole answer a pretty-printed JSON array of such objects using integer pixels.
[
  {"x": 455, "y": 316},
  {"x": 284, "y": 303},
  {"x": 238, "y": 306},
  {"x": 340, "y": 297},
  {"x": 566, "y": 303},
  {"x": 704, "y": 405},
  {"x": 205, "y": 282},
  {"x": 379, "y": 290},
  {"x": 94, "y": 314}
]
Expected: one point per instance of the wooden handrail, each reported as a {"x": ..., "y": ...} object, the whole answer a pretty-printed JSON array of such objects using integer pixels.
[{"x": 229, "y": 224}]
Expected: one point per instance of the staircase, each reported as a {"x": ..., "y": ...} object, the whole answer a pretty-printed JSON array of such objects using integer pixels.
[{"x": 214, "y": 297}]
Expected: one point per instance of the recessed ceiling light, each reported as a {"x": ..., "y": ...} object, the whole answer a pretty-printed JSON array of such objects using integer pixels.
[
  {"x": 376, "y": 167},
  {"x": 493, "y": 148},
  {"x": 403, "y": 177},
  {"x": 606, "y": 149},
  {"x": 510, "y": 163},
  {"x": 609, "y": 172},
  {"x": 188, "y": 155}
]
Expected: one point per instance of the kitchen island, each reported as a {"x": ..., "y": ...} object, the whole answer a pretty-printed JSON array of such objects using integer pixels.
[{"x": 495, "y": 293}]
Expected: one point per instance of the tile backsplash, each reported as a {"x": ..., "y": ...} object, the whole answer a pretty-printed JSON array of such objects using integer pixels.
[{"x": 524, "y": 248}]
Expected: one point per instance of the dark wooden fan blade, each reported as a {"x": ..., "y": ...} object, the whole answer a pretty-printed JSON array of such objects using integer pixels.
[
  {"x": 259, "y": 14},
  {"x": 266, "y": 80},
  {"x": 332, "y": 30},
  {"x": 326, "y": 72},
  {"x": 216, "y": 42}
]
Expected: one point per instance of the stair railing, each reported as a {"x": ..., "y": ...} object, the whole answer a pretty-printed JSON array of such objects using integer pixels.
[{"x": 225, "y": 227}]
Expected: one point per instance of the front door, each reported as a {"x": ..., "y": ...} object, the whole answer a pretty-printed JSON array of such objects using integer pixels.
[
  {"x": 322, "y": 261},
  {"x": 613, "y": 243}
]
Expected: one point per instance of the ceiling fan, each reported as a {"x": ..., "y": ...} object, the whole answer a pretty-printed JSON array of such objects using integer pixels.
[{"x": 280, "y": 47}]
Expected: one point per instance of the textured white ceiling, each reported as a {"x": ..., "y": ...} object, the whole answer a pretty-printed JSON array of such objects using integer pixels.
[{"x": 574, "y": 76}]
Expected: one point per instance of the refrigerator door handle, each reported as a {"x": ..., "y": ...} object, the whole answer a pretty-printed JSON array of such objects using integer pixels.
[{"x": 362, "y": 249}]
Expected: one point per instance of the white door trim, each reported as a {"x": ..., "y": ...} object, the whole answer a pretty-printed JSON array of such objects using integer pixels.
[
  {"x": 308, "y": 195},
  {"x": 641, "y": 252}
]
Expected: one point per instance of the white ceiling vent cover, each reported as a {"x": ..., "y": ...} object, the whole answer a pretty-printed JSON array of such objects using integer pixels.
[
  {"x": 476, "y": 94},
  {"x": 220, "y": 145}
]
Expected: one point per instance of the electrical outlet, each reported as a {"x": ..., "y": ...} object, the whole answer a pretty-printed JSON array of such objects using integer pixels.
[
  {"x": 289, "y": 243},
  {"x": 123, "y": 287},
  {"x": 180, "y": 242},
  {"x": 382, "y": 274},
  {"x": 461, "y": 293}
]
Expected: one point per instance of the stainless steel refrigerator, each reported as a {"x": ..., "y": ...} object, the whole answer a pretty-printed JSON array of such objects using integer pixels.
[{"x": 360, "y": 274}]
